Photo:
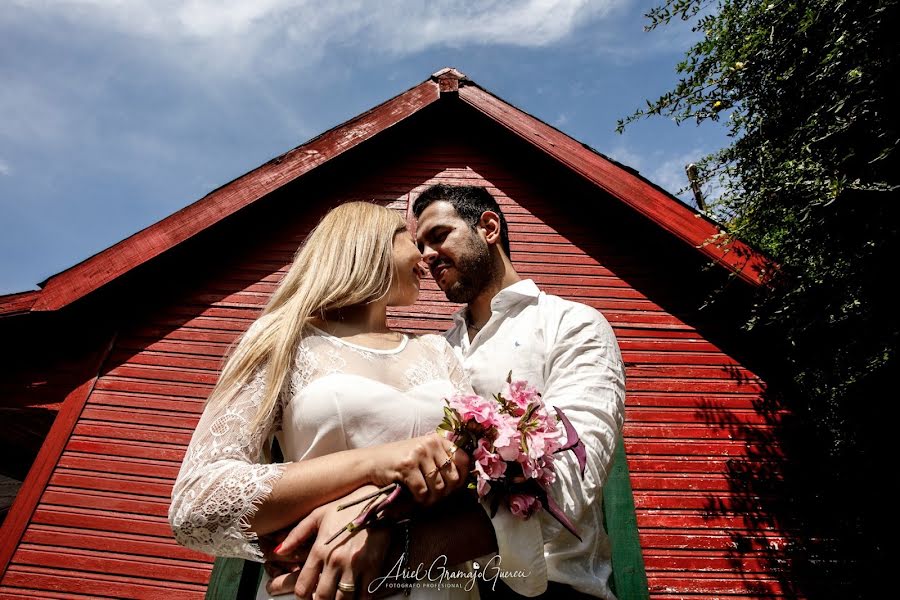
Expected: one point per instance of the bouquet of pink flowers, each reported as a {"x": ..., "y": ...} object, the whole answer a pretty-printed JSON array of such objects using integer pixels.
[{"x": 512, "y": 439}]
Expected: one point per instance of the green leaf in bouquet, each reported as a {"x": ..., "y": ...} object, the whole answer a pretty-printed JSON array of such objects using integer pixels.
[
  {"x": 529, "y": 413},
  {"x": 450, "y": 417}
]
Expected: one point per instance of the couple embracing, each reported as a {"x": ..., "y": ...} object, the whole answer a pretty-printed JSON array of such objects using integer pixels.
[{"x": 354, "y": 407}]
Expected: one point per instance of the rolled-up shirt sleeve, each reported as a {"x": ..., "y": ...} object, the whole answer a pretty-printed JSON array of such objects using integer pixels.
[{"x": 585, "y": 377}]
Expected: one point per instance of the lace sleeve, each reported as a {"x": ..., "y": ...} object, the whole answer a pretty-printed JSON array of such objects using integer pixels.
[{"x": 222, "y": 483}]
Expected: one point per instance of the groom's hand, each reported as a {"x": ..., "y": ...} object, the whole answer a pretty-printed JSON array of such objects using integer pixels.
[{"x": 277, "y": 565}]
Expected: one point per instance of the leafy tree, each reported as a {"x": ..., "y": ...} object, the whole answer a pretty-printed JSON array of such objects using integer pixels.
[{"x": 808, "y": 90}]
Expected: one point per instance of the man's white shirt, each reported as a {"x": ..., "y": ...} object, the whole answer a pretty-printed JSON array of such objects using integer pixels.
[{"x": 569, "y": 353}]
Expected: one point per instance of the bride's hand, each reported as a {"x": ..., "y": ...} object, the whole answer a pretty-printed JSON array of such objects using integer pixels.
[{"x": 429, "y": 466}]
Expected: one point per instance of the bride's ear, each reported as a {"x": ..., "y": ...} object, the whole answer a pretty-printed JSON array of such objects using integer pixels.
[{"x": 490, "y": 223}]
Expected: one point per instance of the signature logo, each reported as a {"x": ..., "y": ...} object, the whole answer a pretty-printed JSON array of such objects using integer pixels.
[{"x": 438, "y": 576}]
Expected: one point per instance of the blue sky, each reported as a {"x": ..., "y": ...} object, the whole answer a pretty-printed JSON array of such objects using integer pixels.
[{"x": 116, "y": 113}]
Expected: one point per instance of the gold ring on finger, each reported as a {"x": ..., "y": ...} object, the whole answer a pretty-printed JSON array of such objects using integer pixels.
[
  {"x": 347, "y": 588},
  {"x": 446, "y": 462},
  {"x": 452, "y": 450}
]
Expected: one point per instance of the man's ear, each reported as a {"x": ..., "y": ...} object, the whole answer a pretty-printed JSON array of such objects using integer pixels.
[{"x": 490, "y": 223}]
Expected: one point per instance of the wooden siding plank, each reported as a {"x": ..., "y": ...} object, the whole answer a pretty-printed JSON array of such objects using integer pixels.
[
  {"x": 735, "y": 417},
  {"x": 106, "y": 521},
  {"x": 694, "y": 539},
  {"x": 698, "y": 519},
  {"x": 682, "y": 431},
  {"x": 139, "y": 400},
  {"x": 758, "y": 587},
  {"x": 120, "y": 431},
  {"x": 100, "y": 584},
  {"x": 137, "y": 486},
  {"x": 120, "y": 465},
  {"x": 140, "y": 417},
  {"x": 119, "y": 502},
  {"x": 127, "y": 448},
  {"x": 680, "y": 447},
  {"x": 17, "y": 593},
  {"x": 101, "y": 541},
  {"x": 688, "y": 500}
]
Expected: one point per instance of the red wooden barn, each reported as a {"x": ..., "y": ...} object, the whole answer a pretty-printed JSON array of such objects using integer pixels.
[{"x": 124, "y": 347}]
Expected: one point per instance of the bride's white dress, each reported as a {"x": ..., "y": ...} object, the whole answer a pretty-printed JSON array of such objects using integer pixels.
[{"x": 341, "y": 396}]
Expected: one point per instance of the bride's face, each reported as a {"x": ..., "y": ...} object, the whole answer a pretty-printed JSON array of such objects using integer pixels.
[{"x": 408, "y": 270}]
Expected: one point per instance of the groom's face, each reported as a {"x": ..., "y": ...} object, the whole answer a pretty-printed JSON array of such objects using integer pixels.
[{"x": 456, "y": 254}]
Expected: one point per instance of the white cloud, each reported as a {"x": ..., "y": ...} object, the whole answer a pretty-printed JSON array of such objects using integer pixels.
[
  {"x": 230, "y": 34},
  {"x": 220, "y": 50},
  {"x": 531, "y": 23},
  {"x": 5, "y": 168}
]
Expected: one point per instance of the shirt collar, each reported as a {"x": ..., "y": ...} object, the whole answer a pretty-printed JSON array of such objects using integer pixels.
[
  {"x": 524, "y": 289},
  {"x": 515, "y": 293}
]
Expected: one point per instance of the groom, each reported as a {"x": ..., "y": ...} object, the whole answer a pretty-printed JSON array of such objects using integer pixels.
[{"x": 565, "y": 349}]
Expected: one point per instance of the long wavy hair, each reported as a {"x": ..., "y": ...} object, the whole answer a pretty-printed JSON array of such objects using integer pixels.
[{"x": 347, "y": 260}]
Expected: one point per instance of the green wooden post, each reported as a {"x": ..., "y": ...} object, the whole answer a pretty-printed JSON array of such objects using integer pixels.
[
  {"x": 233, "y": 579},
  {"x": 629, "y": 580}
]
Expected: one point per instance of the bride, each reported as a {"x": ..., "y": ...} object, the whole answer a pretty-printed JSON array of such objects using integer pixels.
[{"x": 353, "y": 405}]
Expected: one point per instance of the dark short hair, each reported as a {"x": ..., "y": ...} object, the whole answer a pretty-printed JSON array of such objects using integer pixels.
[{"x": 469, "y": 201}]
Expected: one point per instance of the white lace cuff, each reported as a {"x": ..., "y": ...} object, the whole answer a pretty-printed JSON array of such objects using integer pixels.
[{"x": 216, "y": 520}]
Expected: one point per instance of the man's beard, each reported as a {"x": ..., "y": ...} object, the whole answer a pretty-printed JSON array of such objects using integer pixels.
[{"x": 474, "y": 271}]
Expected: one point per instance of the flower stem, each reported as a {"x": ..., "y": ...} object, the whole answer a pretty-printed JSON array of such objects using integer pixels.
[
  {"x": 386, "y": 489},
  {"x": 369, "y": 514}
]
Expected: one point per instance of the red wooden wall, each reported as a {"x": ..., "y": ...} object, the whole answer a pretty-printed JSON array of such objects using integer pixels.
[{"x": 694, "y": 409}]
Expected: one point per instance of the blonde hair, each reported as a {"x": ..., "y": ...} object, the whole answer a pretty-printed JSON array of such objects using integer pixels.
[{"x": 346, "y": 260}]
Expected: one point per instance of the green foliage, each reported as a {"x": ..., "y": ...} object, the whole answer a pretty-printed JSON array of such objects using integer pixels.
[{"x": 808, "y": 91}]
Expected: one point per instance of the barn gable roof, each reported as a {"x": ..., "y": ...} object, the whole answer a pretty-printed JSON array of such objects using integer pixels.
[{"x": 619, "y": 181}]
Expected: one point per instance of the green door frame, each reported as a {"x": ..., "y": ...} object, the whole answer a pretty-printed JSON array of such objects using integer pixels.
[{"x": 629, "y": 579}]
